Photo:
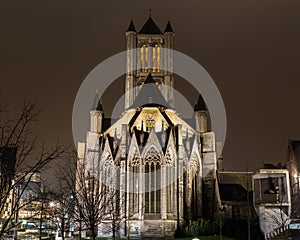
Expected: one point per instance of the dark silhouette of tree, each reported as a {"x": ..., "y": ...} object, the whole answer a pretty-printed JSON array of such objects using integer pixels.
[
  {"x": 95, "y": 200},
  {"x": 91, "y": 199},
  {"x": 62, "y": 209},
  {"x": 21, "y": 156}
]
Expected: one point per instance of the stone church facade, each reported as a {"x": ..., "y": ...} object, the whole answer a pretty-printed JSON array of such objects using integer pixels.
[{"x": 162, "y": 169}]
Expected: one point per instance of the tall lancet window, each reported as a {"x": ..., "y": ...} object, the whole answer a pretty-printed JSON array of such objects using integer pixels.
[
  {"x": 170, "y": 177},
  {"x": 152, "y": 181},
  {"x": 135, "y": 164},
  {"x": 194, "y": 171},
  {"x": 107, "y": 183},
  {"x": 144, "y": 57},
  {"x": 156, "y": 58}
]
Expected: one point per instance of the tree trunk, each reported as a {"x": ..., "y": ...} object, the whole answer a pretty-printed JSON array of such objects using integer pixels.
[
  {"x": 93, "y": 231},
  {"x": 63, "y": 228},
  {"x": 113, "y": 231},
  {"x": 80, "y": 228}
]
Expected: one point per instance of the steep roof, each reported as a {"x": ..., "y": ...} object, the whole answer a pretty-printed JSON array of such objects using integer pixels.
[
  {"x": 150, "y": 27},
  {"x": 200, "y": 105},
  {"x": 232, "y": 192},
  {"x": 131, "y": 27},
  {"x": 169, "y": 28},
  {"x": 243, "y": 179},
  {"x": 150, "y": 95}
]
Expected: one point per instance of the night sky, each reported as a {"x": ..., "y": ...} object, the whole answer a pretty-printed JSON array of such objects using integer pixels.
[{"x": 251, "y": 48}]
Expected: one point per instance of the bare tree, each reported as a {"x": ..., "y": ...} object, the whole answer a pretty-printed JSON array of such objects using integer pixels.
[
  {"x": 62, "y": 209},
  {"x": 90, "y": 197},
  {"x": 97, "y": 196},
  {"x": 20, "y": 157}
]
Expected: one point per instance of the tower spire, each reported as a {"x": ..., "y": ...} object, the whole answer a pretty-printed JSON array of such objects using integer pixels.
[
  {"x": 169, "y": 28},
  {"x": 97, "y": 105},
  {"x": 96, "y": 115},
  {"x": 200, "y": 104},
  {"x": 131, "y": 27}
]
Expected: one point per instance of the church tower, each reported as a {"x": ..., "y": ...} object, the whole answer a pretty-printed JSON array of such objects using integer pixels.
[
  {"x": 158, "y": 170},
  {"x": 149, "y": 51}
]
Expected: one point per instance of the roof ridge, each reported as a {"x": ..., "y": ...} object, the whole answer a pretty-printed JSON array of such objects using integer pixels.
[{"x": 150, "y": 27}]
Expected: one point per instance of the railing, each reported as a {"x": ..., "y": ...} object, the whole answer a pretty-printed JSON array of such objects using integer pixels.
[{"x": 276, "y": 232}]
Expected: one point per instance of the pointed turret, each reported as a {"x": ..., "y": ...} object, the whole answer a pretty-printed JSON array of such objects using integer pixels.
[
  {"x": 169, "y": 28},
  {"x": 201, "y": 115},
  {"x": 169, "y": 78},
  {"x": 97, "y": 105},
  {"x": 150, "y": 27},
  {"x": 131, "y": 42},
  {"x": 200, "y": 105},
  {"x": 131, "y": 27},
  {"x": 96, "y": 115}
]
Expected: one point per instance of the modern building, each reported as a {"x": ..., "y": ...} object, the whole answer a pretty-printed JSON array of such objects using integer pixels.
[{"x": 272, "y": 200}]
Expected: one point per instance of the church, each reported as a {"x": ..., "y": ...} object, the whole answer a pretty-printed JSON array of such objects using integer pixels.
[{"x": 160, "y": 169}]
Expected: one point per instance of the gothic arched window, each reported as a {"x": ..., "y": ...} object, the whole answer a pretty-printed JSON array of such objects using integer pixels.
[
  {"x": 144, "y": 57},
  {"x": 134, "y": 179},
  {"x": 152, "y": 181},
  {"x": 156, "y": 58},
  {"x": 170, "y": 177},
  {"x": 108, "y": 182},
  {"x": 194, "y": 171}
]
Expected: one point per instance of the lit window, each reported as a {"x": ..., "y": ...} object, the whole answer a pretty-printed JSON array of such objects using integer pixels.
[
  {"x": 144, "y": 58},
  {"x": 150, "y": 122},
  {"x": 156, "y": 58},
  {"x": 152, "y": 182}
]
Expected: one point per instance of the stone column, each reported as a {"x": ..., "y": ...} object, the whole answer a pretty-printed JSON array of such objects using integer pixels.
[
  {"x": 180, "y": 171},
  {"x": 199, "y": 194},
  {"x": 141, "y": 206},
  {"x": 188, "y": 197},
  {"x": 163, "y": 202},
  {"x": 131, "y": 66}
]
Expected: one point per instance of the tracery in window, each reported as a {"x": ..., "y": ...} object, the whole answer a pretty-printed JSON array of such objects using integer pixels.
[
  {"x": 134, "y": 182},
  {"x": 152, "y": 181},
  {"x": 107, "y": 182},
  {"x": 135, "y": 188},
  {"x": 156, "y": 58},
  {"x": 170, "y": 176},
  {"x": 194, "y": 171},
  {"x": 144, "y": 57}
]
